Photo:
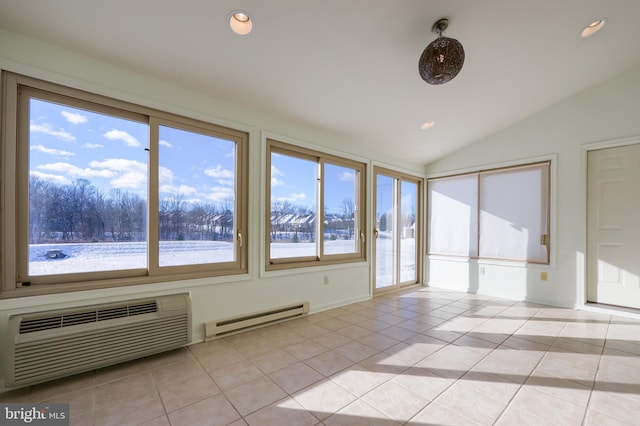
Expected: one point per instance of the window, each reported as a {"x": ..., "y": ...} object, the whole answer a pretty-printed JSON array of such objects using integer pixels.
[
  {"x": 496, "y": 214},
  {"x": 314, "y": 208},
  {"x": 108, "y": 190}
]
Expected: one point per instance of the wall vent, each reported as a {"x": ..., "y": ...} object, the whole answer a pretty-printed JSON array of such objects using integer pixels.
[
  {"x": 228, "y": 326},
  {"x": 51, "y": 344}
]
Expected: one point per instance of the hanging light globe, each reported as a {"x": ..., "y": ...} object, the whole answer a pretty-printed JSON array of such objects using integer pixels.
[{"x": 443, "y": 58}]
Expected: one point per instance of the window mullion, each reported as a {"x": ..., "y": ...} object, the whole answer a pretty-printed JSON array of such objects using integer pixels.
[
  {"x": 153, "y": 244},
  {"x": 320, "y": 209}
]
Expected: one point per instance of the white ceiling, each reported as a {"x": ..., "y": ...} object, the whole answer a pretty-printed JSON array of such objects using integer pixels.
[{"x": 350, "y": 66}]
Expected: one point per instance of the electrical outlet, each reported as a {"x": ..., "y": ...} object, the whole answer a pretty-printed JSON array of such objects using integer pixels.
[
  {"x": 543, "y": 276},
  {"x": 325, "y": 280}
]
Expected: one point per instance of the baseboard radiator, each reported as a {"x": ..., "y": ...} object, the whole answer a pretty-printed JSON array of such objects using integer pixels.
[
  {"x": 228, "y": 326},
  {"x": 52, "y": 344}
]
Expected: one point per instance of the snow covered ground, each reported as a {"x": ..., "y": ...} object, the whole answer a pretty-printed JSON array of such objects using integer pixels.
[{"x": 90, "y": 257}]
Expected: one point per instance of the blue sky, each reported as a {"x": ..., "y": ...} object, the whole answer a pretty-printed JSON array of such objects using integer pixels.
[{"x": 68, "y": 144}]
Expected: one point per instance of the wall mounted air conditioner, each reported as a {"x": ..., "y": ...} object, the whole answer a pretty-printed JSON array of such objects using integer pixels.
[{"x": 51, "y": 344}]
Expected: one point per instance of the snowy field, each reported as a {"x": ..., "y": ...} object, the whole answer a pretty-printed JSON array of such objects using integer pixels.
[{"x": 92, "y": 257}]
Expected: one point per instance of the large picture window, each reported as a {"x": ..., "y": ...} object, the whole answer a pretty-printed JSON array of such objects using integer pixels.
[
  {"x": 104, "y": 189},
  {"x": 494, "y": 214},
  {"x": 315, "y": 213}
]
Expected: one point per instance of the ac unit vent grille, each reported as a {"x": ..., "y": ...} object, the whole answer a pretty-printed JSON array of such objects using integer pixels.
[{"x": 30, "y": 325}]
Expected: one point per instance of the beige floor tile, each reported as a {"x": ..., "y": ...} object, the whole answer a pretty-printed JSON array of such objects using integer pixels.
[
  {"x": 274, "y": 361},
  {"x": 131, "y": 387},
  {"x": 119, "y": 371},
  {"x": 435, "y": 414},
  {"x": 214, "y": 411},
  {"x": 50, "y": 389},
  {"x": 594, "y": 418},
  {"x": 296, "y": 377},
  {"x": 130, "y": 411},
  {"x": 423, "y": 382},
  {"x": 310, "y": 330},
  {"x": 235, "y": 375},
  {"x": 566, "y": 390},
  {"x": 86, "y": 419},
  {"x": 158, "y": 421},
  {"x": 548, "y": 407},
  {"x": 514, "y": 416},
  {"x": 253, "y": 346},
  {"x": 328, "y": 363},
  {"x": 359, "y": 413},
  {"x": 285, "y": 412},
  {"x": 80, "y": 402},
  {"x": 255, "y": 395},
  {"x": 219, "y": 358},
  {"x": 359, "y": 380},
  {"x": 511, "y": 364},
  {"x": 490, "y": 385},
  {"x": 324, "y": 398},
  {"x": 564, "y": 370},
  {"x": 464, "y": 400},
  {"x": 178, "y": 371},
  {"x": 306, "y": 349},
  {"x": 354, "y": 332},
  {"x": 378, "y": 341},
  {"x": 398, "y": 333},
  {"x": 397, "y": 402},
  {"x": 356, "y": 351},
  {"x": 331, "y": 340},
  {"x": 615, "y": 405},
  {"x": 185, "y": 392},
  {"x": 169, "y": 357}
]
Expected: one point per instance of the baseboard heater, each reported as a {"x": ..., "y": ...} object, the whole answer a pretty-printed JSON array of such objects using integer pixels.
[
  {"x": 52, "y": 344},
  {"x": 228, "y": 326}
]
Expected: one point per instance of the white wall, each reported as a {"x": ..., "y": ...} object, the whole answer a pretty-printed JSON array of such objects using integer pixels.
[
  {"x": 213, "y": 298},
  {"x": 563, "y": 132}
]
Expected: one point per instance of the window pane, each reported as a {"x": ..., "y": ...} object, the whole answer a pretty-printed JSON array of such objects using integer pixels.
[
  {"x": 197, "y": 217},
  {"x": 513, "y": 213},
  {"x": 385, "y": 225},
  {"x": 87, "y": 191},
  {"x": 340, "y": 207},
  {"x": 409, "y": 195},
  {"x": 453, "y": 215},
  {"x": 294, "y": 184}
]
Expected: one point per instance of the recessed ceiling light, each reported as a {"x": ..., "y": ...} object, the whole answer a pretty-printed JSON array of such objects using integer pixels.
[
  {"x": 593, "y": 27},
  {"x": 240, "y": 22},
  {"x": 428, "y": 125}
]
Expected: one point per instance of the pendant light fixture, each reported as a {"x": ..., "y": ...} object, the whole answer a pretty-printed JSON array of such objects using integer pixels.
[{"x": 443, "y": 58}]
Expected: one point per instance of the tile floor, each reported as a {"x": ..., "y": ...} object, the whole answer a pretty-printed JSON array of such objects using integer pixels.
[{"x": 420, "y": 357}]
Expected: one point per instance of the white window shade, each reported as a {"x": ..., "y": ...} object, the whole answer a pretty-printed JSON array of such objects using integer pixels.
[
  {"x": 453, "y": 215},
  {"x": 514, "y": 205}
]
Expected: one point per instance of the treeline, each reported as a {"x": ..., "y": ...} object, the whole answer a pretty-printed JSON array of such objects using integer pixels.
[{"x": 80, "y": 212}]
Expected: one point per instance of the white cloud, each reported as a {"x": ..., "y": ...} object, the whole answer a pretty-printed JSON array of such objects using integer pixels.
[
  {"x": 60, "y": 134},
  {"x": 276, "y": 182},
  {"x": 120, "y": 165},
  {"x": 121, "y": 135},
  {"x": 165, "y": 143},
  {"x": 220, "y": 193},
  {"x": 275, "y": 171},
  {"x": 61, "y": 180},
  {"x": 182, "y": 189},
  {"x": 93, "y": 145},
  {"x": 226, "y": 182},
  {"x": 127, "y": 173},
  {"x": 219, "y": 172},
  {"x": 74, "y": 117},
  {"x": 347, "y": 176},
  {"x": 133, "y": 180},
  {"x": 165, "y": 175},
  {"x": 75, "y": 171},
  {"x": 52, "y": 151},
  {"x": 293, "y": 197}
]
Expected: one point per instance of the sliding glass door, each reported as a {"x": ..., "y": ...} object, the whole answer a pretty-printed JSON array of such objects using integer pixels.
[{"x": 397, "y": 233}]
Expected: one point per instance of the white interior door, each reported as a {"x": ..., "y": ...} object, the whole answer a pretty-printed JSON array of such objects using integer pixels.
[{"x": 613, "y": 226}]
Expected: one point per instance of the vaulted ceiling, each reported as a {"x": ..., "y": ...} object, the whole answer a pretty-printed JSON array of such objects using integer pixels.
[{"x": 350, "y": 66}]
